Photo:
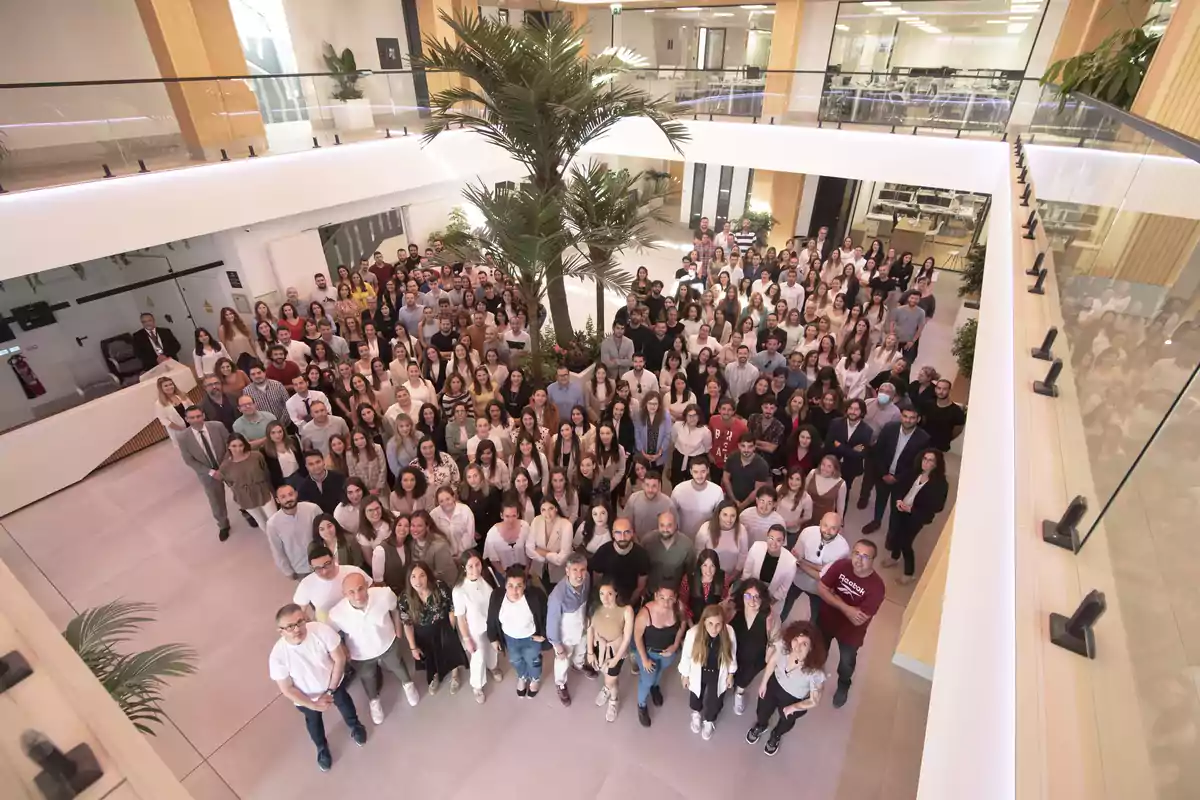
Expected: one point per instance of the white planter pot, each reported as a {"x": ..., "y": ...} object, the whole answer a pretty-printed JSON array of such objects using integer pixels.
[{"x": 353, "y": 115}]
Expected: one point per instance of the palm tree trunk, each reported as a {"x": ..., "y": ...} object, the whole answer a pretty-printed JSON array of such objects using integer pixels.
[
  {"x": 599, "y": 256},
  {"x": 560, "y": 312}
]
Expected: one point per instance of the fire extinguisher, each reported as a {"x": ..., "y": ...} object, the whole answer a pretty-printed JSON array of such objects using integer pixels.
[{"x": 29, "y": 381}]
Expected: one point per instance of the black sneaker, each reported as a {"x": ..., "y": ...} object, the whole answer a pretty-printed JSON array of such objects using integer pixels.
[
  {"x": 588, "y": 672},
  {"x": 754, "y": 734},
  {"x": 324, "y": 760},
  {"x": 359, "y": 735},
  {"x": 223, "y": 533},
  {"x": 250, "y": 520},
  {"x": 772, "y": 745},
  {"x": 841, "y": 696},
  {"x": 656, "y": 695},
  {"x": 644, "y": 716}
]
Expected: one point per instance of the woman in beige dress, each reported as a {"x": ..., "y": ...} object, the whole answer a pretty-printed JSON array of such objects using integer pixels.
[{"x": 235, "y": 338}]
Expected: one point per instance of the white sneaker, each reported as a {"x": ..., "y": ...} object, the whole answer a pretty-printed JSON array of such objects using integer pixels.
[
  {"x": 410, "y": 693},
  {"x": 610, "y": 715},
  {"x": 602, "y": 698},
  {"x": 479, "y": 696},
  {"x": 695, "y": 722},
  {"x": 739, "y": 703},
  {"x": 707, "y": 732},
  {"x": 377, "y": 711}
]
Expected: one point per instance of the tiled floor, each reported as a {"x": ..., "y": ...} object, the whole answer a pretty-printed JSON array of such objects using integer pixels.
[{"x": 141, "y": 530}]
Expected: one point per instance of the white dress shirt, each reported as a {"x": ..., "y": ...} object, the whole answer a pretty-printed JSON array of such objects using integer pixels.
[
  {"x": 901, "y": 442},
  {"x": 299, "y": 410}
]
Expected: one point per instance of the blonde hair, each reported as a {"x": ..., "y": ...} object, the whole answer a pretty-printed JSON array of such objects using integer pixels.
[
  {"x": 700, "y": 643},
  {"x": 166, "y": 401}
]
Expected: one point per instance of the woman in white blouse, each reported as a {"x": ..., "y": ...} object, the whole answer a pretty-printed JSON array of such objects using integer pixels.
[
  {"x": 420, "y": 390},
  {"x": 725, "y": 535},
  {"x": 689, "y": 439},
  {"x": 677, "y": 395},
  {"x": 375, "y": 526},
  {"x": 707, "y": 688},
  {"x": 853, "y": 375},
  {"x": 454, "y": 519},
  {"x": 471, "y": 595},
  {"x": 169, "y": 407},
  {"x": 505, "y": 542},
  {"x": 207, "y": 352},
  {"x": 549, "y": 544}
]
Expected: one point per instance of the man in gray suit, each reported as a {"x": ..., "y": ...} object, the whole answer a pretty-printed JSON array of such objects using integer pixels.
[{"x": 202, "y": 447}]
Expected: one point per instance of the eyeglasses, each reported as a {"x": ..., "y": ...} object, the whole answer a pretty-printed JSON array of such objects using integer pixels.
[
  {"x": 295, "y": 626},
  {"x": 325, "y": 565},
  {"x": 751, "y": 596}
]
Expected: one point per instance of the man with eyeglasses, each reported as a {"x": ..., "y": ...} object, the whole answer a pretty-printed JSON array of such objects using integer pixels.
[
  {"x": 308, "y": 664},
  {"x": 817, "y": 547},
  {"x": 321, "y": 589},
  {"x": 851, "y": 594}
]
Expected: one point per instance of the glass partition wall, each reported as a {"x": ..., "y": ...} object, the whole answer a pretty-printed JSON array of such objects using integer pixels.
[{"x": 1120, "y": 217}]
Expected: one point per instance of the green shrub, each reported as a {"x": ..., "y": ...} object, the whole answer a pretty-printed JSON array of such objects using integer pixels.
[{"x": 964, "y": 346}]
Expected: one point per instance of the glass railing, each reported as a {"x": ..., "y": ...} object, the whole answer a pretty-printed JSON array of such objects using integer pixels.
[
  {"x": 58, "y": 133},
  {"x": 1117, "y": 203},
  {"x": 52, "y": 134}
]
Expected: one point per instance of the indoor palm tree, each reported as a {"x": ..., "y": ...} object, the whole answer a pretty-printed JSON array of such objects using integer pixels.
[
  {"x": 524, "y": 237},
  {"x": 532, "y": 93},
  {"x": 134, "y": 680},
  {"x": 609, "y": 215}
]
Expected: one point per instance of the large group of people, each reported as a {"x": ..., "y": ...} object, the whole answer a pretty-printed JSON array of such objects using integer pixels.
[{"x": 668, "y": 507}]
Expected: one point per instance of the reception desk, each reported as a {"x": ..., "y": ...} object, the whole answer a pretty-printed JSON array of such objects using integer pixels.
[{"x": 53, "y": 453}]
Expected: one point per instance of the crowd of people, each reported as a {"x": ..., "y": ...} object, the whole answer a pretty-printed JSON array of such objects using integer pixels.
[{"x": 668, "y": 507}]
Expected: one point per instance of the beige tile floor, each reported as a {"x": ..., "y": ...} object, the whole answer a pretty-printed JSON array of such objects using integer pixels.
[{"x": 140, "y": 530}]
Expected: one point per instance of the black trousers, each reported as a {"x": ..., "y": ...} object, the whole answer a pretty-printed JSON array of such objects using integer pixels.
[
  {"x": 711, "y": 699},
  {"x": 315, "y": 722},
  {"x": 847, "y": 660},
  {"x": 794, "y": 592},
  {"x": 901, "y": 534},
  {"x": 775, "y": 700}
]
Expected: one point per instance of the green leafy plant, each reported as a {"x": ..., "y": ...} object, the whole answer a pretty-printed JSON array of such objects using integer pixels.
[
  {"x": 964, "y": 346},
  {"x": 971, "y": 279},
  {"x": 134, "y": 680},
  {"x": 761, "y": 222},
  {"x": 345, "y": 73},
  {"x": 1112, "y": 72},
  {"x": 530, "y": 91},
  {"x": 456, "y": 228},
  {"x": 603, "y": 206}
]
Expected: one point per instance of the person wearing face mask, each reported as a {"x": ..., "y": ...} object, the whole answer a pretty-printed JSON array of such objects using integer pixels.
[{"x": 880, "y": 410}]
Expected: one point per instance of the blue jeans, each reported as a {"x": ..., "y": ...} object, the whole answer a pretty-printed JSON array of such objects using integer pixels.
[
  {"x": 525, "y": 655},
  {"x": 648, "y": 680},
  {"x": 314, "y": 721}
]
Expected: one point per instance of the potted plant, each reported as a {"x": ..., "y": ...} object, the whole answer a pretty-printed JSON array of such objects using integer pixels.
[
  {"x": 1113, "y": 72},
  {"x": 964, "y": 347},
  {"x": 971, "y": 282},
  {"x": 761, "y": 222},
  {"x": 135, "y": 680},
  {"x": 353, "y": 111}
]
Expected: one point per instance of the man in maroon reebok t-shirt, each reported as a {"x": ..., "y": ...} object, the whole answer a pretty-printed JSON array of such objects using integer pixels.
[
  {"x": 852, "y": 592},
  {"x": 726, "y": 430}
]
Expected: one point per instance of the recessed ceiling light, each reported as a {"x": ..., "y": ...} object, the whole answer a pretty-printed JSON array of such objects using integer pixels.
[
  {"x": 753, "y": 8},
  {"x": 690, "y": 8},
  {"x": 646, "y": 10},
  {"x": 916, "y": 23},
  {"x": 932, "y": 30},
  {"x": 842, "y": 27},
  {"x": 997, "y": 22},
  {"x": 722, "y": 13},
  {"x": 891, "y": 12},
  {"x": 1019, "y": 8},
  {"x": 1018, "y": 27},
  {"x": 769, "y": 11},
  {"x": 908, "y": 19},
  {"x": 1019, "y": 19},
  {"x": 873, "y": 3}
]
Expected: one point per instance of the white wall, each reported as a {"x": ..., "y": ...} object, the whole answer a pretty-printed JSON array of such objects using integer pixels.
[
  {"x": 711, "y": 192},
  {"x": 126, "y": 213},
  {"x": 62, "y": 40},
  {"x": 812, "y": 53},
  {"x": 53, "y": 352}
]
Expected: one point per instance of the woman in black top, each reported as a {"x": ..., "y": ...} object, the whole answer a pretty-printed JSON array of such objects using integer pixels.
[
  {"x": 908, "y": 519},
  {"x": 482, "y": 498},
  {"x": 429, "y": 422},
  {"x": 657, "y": 633},
  {"x": 426, "y": 609},
  {"x": 280, "y": 442},
  {"x": 902, "y": 270},
  {"x": 705, "y": 586},
  {"x": 755, "y": 628},
  {"x": 622, "y": 422},
  {"x": 515, "y": 393}
]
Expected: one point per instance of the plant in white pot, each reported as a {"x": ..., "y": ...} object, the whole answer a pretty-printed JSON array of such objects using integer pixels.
[{"x": 353, "y": 111}]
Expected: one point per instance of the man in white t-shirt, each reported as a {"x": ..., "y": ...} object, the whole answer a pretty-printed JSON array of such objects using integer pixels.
[
  {"x": 297, "y": 352},
  {"x": 307, "y": 664},
  {"x": 641, "y": 380},
  {"x": 759, "y": 517},
  {"x": 516, "y": 337},
  {"x": 369, "y": 619},
  {"x": 321, "y": 589},
  {"x": 696, "y": 498},
  {"x": 791, "y": 292},
  {"x": 817, "y": 547}
]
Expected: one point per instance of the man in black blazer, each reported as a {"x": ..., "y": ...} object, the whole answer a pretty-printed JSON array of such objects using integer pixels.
[
  {"x": 318, "y": 484},
  {"x": 849, "y": 438},
  {"x": 893, "y": 456},
  {"x": 154, "y": 345}
]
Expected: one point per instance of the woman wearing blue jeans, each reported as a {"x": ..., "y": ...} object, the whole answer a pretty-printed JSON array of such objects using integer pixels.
[
  {"x": 657, "y": 632},
  {"x": 517, "y": 621}
]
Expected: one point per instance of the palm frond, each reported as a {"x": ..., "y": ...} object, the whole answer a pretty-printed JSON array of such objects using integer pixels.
[{"x": 134, "y": 680}]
